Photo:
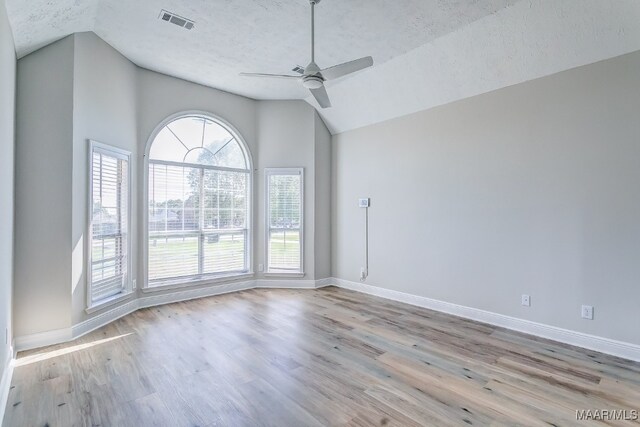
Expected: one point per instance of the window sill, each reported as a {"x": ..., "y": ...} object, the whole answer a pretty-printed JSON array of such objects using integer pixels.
[
  {"x": 107, "y": 302},
  {"x": 200, "y": 282},
  {"x": 274, "y": 274}
]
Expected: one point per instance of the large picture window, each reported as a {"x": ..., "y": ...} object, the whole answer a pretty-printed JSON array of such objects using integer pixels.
[
  {"x": 284, "y": 189},
  {"x": 109, "y": 274},
  {"x": 199, "y": 202}
]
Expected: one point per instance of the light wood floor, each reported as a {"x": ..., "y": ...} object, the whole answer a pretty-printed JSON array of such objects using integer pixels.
[{"x": 310, "y": 358}]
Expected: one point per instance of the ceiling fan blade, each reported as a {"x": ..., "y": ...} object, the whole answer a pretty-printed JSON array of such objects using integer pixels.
[
  {"x": 276, "y": 76},
  {"x": 321, "y": 96},
  {"x": 347, "y": 68}
]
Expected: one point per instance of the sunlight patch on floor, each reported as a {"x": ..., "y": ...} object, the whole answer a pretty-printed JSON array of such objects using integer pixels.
[{"x": 27, "y": 360}]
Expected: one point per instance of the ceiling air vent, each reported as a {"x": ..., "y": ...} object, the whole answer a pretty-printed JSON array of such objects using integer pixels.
[
  {"x": 176, "y": 19},
  {"x": 298, "y": 69}
]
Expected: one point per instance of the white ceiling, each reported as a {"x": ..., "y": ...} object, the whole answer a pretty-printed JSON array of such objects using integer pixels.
[
  {"x": 532, "y": 39},
  {"x": 426, "y": 52},
  {"x": 231, "y": 36}
]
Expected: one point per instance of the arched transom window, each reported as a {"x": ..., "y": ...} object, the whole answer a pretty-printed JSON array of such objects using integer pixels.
[{"x": 199, "y": 201}]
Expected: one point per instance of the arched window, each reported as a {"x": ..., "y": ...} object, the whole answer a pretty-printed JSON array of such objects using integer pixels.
[{"x": 199, "y": 189}]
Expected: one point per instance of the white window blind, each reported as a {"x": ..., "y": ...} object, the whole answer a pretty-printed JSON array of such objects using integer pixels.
[
  {"x": 197, "y": 222},
  {"x": 109, "y": 266},
  {"x": 284, "y": 220},
  {"x": 198, "y": 211}
]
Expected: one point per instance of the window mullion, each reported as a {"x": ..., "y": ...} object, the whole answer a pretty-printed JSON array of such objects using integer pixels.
[
  {"x": 166, "y": 199},
  {"x": 201, "y": 225},
  {"x": 118, "y": 237},
  {"x": 101, "y": 210},
  {"x": 183, "y": 200}
]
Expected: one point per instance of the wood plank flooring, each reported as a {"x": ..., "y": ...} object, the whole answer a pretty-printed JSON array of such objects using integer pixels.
[{"x": 313, "y": 358}]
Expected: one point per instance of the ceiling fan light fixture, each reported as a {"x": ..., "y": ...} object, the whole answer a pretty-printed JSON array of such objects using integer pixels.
[{"x": 312, "y": 82}]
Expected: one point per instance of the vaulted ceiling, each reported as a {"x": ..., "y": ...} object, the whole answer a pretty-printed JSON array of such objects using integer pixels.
[{"x": 426, "y": 52}]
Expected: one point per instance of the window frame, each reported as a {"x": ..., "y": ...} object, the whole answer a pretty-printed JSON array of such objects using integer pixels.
[
  {"x": 118, "y": 153},
  {"x": 267, "y": 220},
  {"x": 213, "y": 278}
]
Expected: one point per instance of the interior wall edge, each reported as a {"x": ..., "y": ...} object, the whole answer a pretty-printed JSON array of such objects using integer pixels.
[
  {"x": 578, "y": 339},
  {"x": 8, "y": 90},
  {"x": 5, "y": 381},
  {"x": 151, "y": 106},
  {"x": 529, "y": 190}
]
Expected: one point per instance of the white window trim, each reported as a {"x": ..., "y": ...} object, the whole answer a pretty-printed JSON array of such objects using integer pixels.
[
  {"x": 92, "y": 306},
  {"x": 213, "y": 278},
  {"x": 267, "y": 220},
  {"x": 109, "y": 301}
]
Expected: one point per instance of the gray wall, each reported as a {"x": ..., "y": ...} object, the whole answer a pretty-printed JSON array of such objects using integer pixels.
[
  {"x": 532, "y": 189},
  {"x": 322, "y": 239},
  {"x": 80, "y": 88},
  {"x": 286, "y": 135},
  {"x": 278, "y": 134},
  {"x": 7, "y": 144},
  {"x": 43, "y": 186},
  {"x": 104, "y": 110},
  {"x": 160, "y": 96}
]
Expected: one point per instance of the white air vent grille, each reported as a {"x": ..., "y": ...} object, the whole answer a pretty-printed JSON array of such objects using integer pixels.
[{"x": 176, "y": 19}]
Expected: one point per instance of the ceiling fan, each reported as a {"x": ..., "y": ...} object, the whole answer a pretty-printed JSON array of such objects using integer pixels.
[{"x": 313, "y": 77}]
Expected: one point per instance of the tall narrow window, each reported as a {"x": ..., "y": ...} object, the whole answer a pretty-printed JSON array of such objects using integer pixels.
[
  {"x": 109, "y": 228},
  {"x": 199, "y": 200},
  {"x": 284, "y": 220}
]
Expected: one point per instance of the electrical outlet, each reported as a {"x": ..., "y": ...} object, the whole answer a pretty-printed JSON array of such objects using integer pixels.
[
  {"x": 363, "y": 203},
  {"x": 260, "y": 267},
  {"x": 526, "y": 300},
  {"x": 135, "y": 286},
  {"x": 363, "y": 273},
  {"x": 587, "y": 312}
]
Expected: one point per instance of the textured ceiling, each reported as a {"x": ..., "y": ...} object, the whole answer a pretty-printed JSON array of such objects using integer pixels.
[
  {"x": 532, "y": 39},
  {"x": 231, "y": 36},
  {"x": 426, "y": 52}
]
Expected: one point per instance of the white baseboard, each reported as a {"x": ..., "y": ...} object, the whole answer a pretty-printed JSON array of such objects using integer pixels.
[
  {"x": 579, "y": 339},
  {"x": 288, "y": 284},
  {"x": 185, "y": 295},
  {"x": 321, "y": 283},
  {"x": 5, "y": 382},
  {"x": 43, "y": 339},
  {"x": 102, "y": 319},
  {"x": 105, "y": 318}
]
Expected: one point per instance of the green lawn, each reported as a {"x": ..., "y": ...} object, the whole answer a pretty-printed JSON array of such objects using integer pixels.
[
  {"x": 285, "y": 250},
  {"x": 179, "y": 256}
]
